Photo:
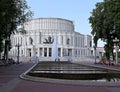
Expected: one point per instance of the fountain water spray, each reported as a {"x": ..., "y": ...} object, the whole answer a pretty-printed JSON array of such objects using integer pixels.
[{"x": 54, "y": 50}]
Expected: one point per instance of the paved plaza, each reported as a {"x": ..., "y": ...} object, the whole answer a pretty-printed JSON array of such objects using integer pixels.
[{"x": 10, "y": 81}]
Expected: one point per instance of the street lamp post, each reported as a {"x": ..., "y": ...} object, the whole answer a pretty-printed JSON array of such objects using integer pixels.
[
  {"x": 95, "y": 53},
  {"x": 18, "y": 47},
  {"x": 116, "y": 41}
]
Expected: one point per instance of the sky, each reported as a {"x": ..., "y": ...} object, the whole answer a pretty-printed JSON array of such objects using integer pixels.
[{"x": 76, "y": 10}]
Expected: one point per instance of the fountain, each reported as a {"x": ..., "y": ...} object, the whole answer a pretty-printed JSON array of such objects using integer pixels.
[
  {"x": 54, "y": 50},
  {"x": 68, "y": 71}
]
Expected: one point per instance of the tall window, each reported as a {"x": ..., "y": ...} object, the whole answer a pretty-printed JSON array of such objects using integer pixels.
[
  {"x": 31, "y": 41},
  {"x": 45, "y": 52},
  {"x": 90, "y": 44},
  {"x": 72, "y": 40},
  {"x": 59, "y": 52},
  {"x": 61, "y": 39},
  {"x": 75, "y": 41},
  {"x": 40, "y": 37},
  {"x": 68, "y": 41},
  {"x": 50, "y": 52}
]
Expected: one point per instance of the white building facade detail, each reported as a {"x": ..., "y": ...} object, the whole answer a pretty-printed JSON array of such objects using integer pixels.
[{"x": 37, "y": 40}]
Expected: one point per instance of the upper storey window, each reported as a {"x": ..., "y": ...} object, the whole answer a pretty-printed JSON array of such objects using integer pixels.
[
  {"x": 31, "y": 41},
  {"x": 68, "y": 41}
]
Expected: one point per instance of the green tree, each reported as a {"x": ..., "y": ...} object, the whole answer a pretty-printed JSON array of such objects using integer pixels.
[
  {"x": 13, "y": 13},
  {"x": 105, "y": 23}
]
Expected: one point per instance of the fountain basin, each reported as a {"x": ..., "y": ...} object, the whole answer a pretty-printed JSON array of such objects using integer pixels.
[{"x": 71, "y": 71}]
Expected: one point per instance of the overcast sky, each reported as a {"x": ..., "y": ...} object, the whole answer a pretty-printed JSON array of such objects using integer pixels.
[{"x": 75, "y": 10}]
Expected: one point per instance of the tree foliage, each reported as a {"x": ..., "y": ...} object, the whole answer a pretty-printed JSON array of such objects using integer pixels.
[
  {"x": 105, "y": 23},
  {"x": 13, "y": 13}
]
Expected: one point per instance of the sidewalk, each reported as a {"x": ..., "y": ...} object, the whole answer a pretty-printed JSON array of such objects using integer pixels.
[{"x": 10, "y": 81}]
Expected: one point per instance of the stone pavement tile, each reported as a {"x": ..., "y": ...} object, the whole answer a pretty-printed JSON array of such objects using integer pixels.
[
  {"x": 9, "y": 75},
  {"x": 4, "y": 79},
  {"x": 10, "y": 85},
  {"x": 29, "y": 86},
  {"x": 114, "y": 89}
]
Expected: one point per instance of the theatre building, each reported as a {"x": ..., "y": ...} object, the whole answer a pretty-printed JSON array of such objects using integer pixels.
[{"x": 38, "y": 36}]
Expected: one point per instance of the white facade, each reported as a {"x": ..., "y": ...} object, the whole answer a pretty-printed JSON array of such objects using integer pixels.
[{"x": 41, "y": 30}]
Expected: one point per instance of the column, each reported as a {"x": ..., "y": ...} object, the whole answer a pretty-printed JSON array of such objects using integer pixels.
[
  {"x": 32, "y": 52},
  {"x": 20, "y": 51},
  {"x": 80, "y": 52},
  {"x": 25, "y": 52},
  {"x": 38, "y": 51}
]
